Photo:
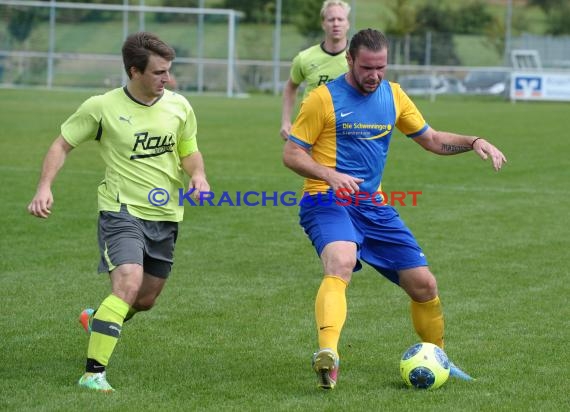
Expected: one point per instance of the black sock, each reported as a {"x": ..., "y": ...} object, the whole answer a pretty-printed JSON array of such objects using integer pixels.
[{"x": 93, "y": 366}]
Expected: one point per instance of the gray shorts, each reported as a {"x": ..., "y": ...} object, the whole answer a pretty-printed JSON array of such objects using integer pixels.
[{"x": 124, "y": 238}]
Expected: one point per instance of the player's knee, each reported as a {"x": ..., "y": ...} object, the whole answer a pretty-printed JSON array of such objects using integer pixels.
[
  {"x": 421, "y": 285},
  {"x": 341, "y": 265},
  {"x": 424, "y": 288},
  {"x": 429, "y": 285},
  {"x": 144, "y": 303}
]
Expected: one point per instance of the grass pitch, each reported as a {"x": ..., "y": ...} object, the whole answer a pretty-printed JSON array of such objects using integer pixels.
[{"x": 234, "y": 328}]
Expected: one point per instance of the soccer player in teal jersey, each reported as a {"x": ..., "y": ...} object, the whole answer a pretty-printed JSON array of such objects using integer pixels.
[
  {"x": 318, "y": 64},
  {"x": 340, "y": 141},
  {"x": 147, "y": 138}
]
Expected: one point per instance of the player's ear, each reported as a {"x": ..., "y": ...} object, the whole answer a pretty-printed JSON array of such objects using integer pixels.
[
  {"x": 134, "y": 71},
  {"x": 349, "y": 59}
]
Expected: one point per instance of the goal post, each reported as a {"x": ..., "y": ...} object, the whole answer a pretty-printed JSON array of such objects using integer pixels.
[{"x": 176, "y": 34}]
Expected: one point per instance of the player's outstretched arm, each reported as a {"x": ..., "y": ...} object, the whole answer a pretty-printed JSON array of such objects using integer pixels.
[
  {"x": 486, "y": 150},
  {"x": 42, "y": 202},
  {"x": 289, "y": 97},
  {"x": 446, "y": 143},
  {"x": 193, "y": 165}
]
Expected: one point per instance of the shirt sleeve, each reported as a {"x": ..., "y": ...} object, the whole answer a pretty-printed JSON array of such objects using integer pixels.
[
  {"x": 409, "y": 120},
  {"x": 188, "y": 143},
  {"x": 311, "y": 119},
  {"x": 296, "y": 72},
  {"x": 84, "y": 124}
]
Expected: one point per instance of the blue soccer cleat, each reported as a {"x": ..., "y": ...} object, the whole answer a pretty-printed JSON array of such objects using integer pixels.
[{"x": 455, "y": 372}]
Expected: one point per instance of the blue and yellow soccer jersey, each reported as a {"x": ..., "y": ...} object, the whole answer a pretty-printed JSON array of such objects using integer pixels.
[
  {"x": 351, "y": 133},
  {"x": 315, "y": 66},
  {"x": 141, "y": 147}
]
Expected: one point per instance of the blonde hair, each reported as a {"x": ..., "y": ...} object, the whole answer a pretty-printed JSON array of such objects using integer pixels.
[{"x": 329, "y": 3}]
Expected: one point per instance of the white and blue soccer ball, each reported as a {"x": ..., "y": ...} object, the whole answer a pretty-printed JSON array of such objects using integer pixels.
[{"x": 424, "y": 366}]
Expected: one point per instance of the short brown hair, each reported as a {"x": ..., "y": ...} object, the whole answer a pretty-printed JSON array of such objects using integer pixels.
[
  {"x": 370, "y": 39},
  {"x": 139, "y": 46}
]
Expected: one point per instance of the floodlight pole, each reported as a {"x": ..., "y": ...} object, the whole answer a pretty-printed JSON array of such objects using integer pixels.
[
  {"x": 277, "y": 48},
  {"x": 124, "y": 78},
  {"x": 51, "y": 47},
  {"x": 508, "y": 23},
  {"x": 231, "y": 53},
  {"x": 141, "y": 16},
  {"x": 201, "y": 48}
]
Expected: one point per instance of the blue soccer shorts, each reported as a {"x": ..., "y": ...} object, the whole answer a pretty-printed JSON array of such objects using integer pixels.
[{"x": 383, "y": 240}]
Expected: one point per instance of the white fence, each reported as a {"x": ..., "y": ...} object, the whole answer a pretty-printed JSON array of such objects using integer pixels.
[
  {"x": 27, "y": 63},
  {"x": 85, "y": 54},
  {"x": 554, "y": 51}
]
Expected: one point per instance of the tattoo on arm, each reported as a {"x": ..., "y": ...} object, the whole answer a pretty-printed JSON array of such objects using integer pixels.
[{"x": 452, "y": 148}]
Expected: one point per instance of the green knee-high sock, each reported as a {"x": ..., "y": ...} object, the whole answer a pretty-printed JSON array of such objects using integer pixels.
[{"x": 106, "y": 329}]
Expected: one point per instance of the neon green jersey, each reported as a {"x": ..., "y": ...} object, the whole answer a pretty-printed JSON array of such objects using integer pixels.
[
  {"x": 315, "y": 66},
  {"x": 141, "y": 147}
]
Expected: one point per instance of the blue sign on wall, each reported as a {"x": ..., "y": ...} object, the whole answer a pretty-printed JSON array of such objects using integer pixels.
[{"x": 528, "y": 86}]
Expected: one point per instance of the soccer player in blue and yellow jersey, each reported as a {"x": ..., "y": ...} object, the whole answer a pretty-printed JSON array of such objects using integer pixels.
[
  {"x": 340, "y": 141},
  {"x": 318, "y": 64},
  {"x": 147, "y": 138}
]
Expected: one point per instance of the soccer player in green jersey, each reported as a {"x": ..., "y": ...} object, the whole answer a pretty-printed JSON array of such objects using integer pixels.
[
  {"x": 147, "y": 138},
  {"x": 320, "y": 63}
]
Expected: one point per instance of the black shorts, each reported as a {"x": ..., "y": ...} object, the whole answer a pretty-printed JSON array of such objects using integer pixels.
[{"x": 124, "y": 238}]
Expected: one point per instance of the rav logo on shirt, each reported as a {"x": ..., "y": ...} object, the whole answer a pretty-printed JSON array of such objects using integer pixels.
[
  {"x": 323, "y": 78},
  {"x": 154, "y": 145}
]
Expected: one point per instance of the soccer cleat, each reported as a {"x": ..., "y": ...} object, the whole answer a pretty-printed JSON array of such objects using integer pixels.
[
  {"x": 96, "y": 381},
  {"x": 326, "y": 365},
  {"x": 86, "y": 318},
  {"x": 455, "y": 372}
]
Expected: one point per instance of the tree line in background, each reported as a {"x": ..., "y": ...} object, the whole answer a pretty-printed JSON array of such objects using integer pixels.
[
  {"x": 409, "y": 17},
  {"x": 406, "y": 18}
]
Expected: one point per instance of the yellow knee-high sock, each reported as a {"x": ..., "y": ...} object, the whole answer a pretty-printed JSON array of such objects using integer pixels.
[
  {"x": 428, "y": 320},
  {"x": 330, "y": 311},
  {"x": 106, "y": 328}
]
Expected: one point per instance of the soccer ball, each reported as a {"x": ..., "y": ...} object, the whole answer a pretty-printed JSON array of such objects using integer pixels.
[{"x": 424, "y": 366}]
